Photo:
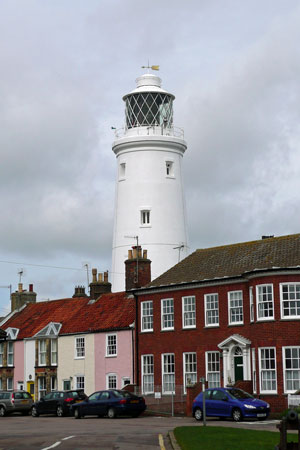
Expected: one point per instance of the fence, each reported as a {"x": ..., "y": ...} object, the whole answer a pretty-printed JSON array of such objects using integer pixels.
[{"x": 168, "y": 404}]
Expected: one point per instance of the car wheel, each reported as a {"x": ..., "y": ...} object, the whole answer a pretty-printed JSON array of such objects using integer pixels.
[
  {"x": 34, "y": 412},
  {"x": 2, "y": 411},
  {"x": 59, "y": 411},
  {"x": 237, "y": 415},
  {"x": 198, "y": 414},
  {"x": 77, "y": 414},
  {"x": 111, "y": 413}
]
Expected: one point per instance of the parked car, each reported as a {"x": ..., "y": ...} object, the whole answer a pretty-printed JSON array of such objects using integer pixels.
[
  {"x": 15, "y": 401},
  {"x": 58, "y": 402},
  {"x": 111, "y": 403},
  {"x": 230, "y": 402}
]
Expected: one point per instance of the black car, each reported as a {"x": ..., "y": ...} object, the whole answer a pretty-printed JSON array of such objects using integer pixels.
[
  {"x": 58, "y": 402},
  {"x": 111, "y": 403}
]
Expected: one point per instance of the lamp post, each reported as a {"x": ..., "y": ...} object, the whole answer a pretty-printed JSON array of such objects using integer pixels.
[{"x": 202, "y": 380}]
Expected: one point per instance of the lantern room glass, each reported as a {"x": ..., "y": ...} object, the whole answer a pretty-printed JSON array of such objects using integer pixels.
[{"x": 149, "y": 109}]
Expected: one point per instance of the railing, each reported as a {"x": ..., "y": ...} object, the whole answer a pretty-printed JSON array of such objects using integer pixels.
[
  {"x": 168, "y": 404},
  {"x": 150, "y": 131},
  {"x": 293, "y": 400}
]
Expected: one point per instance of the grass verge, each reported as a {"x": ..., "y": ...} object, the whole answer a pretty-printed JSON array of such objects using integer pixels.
[{"x": 223, "y": 438}]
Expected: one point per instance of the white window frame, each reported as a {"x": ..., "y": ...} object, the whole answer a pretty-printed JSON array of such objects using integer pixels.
[
  {"x": 111, "y": 348},
  {"x": 9, "y": 383},
  {"x": 1, "y": 353},
  {"x": 109, "y": 378},
  {"x": 165, "y": 312},
  {"x": 212, "y": 361},
  {"x": 169, "y": 168},
  {"x": 251, "y": 304},
  {"x": 267, "y": 370},
  {"x": 189, "y": 311},
  {"x": 10, "y": 353},
  {"x": 54, "y": 352},
  {"x": 148, "y": 374},
  {"x": 254, "y": 380},
  {"x": 165, "y": 364},
  {"x": 42, "y": 352},
  {"x": 145, "y": 217},
  {"x": 80, "y": 381},
  {"x": 41, "y": 387},
  {"x": 211, "y": 297},
  {"x": 232, "y": 308},
  {"x": 189, "y": 369},
  {"x": 259, "y": 302},
  {"x": 292, "y": 316},
  {"x": 79, "y": 348},
  {"x": 147, "y": 316},
  {"x": 294, "y": 369}
]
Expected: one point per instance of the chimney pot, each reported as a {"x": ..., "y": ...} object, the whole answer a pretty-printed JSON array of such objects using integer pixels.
[
  {"x": 31, "y": 288},
  {"x": 100, "y": 277},
  {"x": 134, "y": 252},
  {"x": 140, "y": 251},
  {"x": 20, "y": 287},
  {"x": 129, "y": 254},
  {"x": 94, "y": 273},
  {"x": 144, "y": 254},
  {"x": 106, "y": 277}
]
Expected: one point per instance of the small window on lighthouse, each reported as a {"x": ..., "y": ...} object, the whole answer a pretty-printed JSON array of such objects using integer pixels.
[
  {"x": 169, "y": 169},
  {"x": 122, "y": 171},
  {"x": 145, "y": 217}
]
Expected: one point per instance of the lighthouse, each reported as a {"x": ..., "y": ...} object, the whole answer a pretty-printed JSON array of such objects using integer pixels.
[{"x": 149, "y": 201}]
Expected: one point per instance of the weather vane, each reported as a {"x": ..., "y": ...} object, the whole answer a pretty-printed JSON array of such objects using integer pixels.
[{"x": 150, "y": 67}]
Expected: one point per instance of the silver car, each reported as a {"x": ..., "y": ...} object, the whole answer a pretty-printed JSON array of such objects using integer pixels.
[{"x": 15, "y": 401}]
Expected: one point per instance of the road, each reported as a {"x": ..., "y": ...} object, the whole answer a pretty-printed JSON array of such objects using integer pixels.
[{"x": 48, "y": 432}]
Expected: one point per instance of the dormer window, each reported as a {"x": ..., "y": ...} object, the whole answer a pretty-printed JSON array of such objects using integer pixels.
[{"x": 12, "y": 333}]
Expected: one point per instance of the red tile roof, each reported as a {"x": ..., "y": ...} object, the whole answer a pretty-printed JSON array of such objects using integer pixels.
[{"x": 108, "y": 312}]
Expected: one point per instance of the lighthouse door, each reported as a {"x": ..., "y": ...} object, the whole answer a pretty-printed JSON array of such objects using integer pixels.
[{"x": 238, "y": 365}]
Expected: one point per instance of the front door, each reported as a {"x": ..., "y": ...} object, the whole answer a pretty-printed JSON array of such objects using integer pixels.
[{"x": 238, "y": 368}]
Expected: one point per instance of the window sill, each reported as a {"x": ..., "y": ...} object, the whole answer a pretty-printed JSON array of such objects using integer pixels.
[
  {"x": 147, "y": 331},
  {"x": 235, "y": 324},
  {"x": 189, "y": 328},
  {"x": 291, "y": 319},
  {"x": 212, "y": 326},
  {"x": 164, "y": 330},
  {"x": 265, "y": 320},
  {"x": 146, "y": 226},
  {"x": 111, "y": 356},
  {"x": 79, "y": 357}
]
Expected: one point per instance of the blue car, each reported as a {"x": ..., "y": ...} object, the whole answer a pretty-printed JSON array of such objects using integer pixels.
[{"x": 230, "y": 402}]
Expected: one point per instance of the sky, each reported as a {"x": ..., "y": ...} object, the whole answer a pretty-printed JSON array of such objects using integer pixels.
[{"x": 234, "y": 68}]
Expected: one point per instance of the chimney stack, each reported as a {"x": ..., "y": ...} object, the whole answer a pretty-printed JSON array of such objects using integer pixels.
[
  {"x": 99, "y": 287},
  {"x": 79, "y": 292},
  {"x": 21, "y": 297},
  {"x": 137, "y": 269}
]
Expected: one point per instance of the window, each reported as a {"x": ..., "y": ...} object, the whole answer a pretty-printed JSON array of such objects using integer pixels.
[
  {"x": 54, "y": 352},
  {"x": 122, "y": 171},
  {"x": 188, "y": 312},
  {"x": 267, "y": 361},
  {"x": 213, "y": 369},
  {"x": 235, "y": 307},
  {"x": 111, "y": 345},
  {"x": 147, "y": 316},
  {"x": 80, "y": 382},
  {"x": 42, "y": 352},
  {"x": 10, "y": 353},
  {"x": 167, "y": 314},
  {"x": 79, "y": 347},
  {"x": 1, "y": 353},
  {"x": 168, "y": 373},
  {"x": 10, "y": 383},
  {"x": 111, "y": 381},
  {"x": 148, "y": 374},
  {"x": 66, "y": 385},
  {"x": 211, "y": 309},
  {"x": 189, "y": 369},
  {"x": 291, "y": 367},
  {"x": 125, "y": 381},
  {"x": 169, "y": 169},
  {"x": 254, "y": 372},
  {"x": 41, "y": 387},
  {"x": 264, "y": 300},
  {"x": 290, "y": 300},
  {"x": 145, "y": 217},
  {"x": 251, "y": 304},
  {"x": 53, "y": 384}
]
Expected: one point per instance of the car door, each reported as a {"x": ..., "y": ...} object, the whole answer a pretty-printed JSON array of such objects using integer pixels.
[
  {"x": 92, "y": 406},
  {"x": 44, "y": 404},
  {"x": 219, "y": 403},
  {"x": 104, "y": 402},
  {"x": 18, "y": 401}
]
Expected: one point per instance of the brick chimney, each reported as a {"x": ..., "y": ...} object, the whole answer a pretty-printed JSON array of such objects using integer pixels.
[
  {"x": 137, "y": 268},
  {"x": 79, "y": 292},
  {"x": 99, "y": 286},
  {"x": 22, "y": 296}
]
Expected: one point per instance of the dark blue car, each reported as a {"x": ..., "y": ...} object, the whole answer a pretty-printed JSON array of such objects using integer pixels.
[
  {"x": 230, "y": 402},
  {"x": 111, "y": 403}
]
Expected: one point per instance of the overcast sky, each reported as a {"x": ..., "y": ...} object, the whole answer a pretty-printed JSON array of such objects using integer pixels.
[{"x": 234, "y": 67}]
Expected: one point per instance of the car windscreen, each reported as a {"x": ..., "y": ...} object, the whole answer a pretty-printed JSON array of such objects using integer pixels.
[{"x": 239, "y": 394}]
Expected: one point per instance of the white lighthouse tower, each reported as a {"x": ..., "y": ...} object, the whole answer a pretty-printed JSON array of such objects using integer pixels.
[{"x": 149, "y": 203}]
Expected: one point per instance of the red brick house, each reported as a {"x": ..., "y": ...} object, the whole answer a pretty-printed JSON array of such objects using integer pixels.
[{"x": 230, "y": 314}]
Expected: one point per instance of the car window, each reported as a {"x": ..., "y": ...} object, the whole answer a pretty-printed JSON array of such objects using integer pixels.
[
  {"x": 6, "y": 395},
  {"x": 105, "y": 396},
  {"x": 118, "y": 394},
  {"x": 56, "y": 394},
  {"x": 218, "y": 395},
  {"x": 18, "y": 395},
  {"x": 1, "y": 395},
  {"x": 26, "y": 395},
  {"x": 94, "y": 396},
  {"x": 207, "y": 394},
  {"x": 48, "y": 396},
  {"x": 239, "y": 394}
]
